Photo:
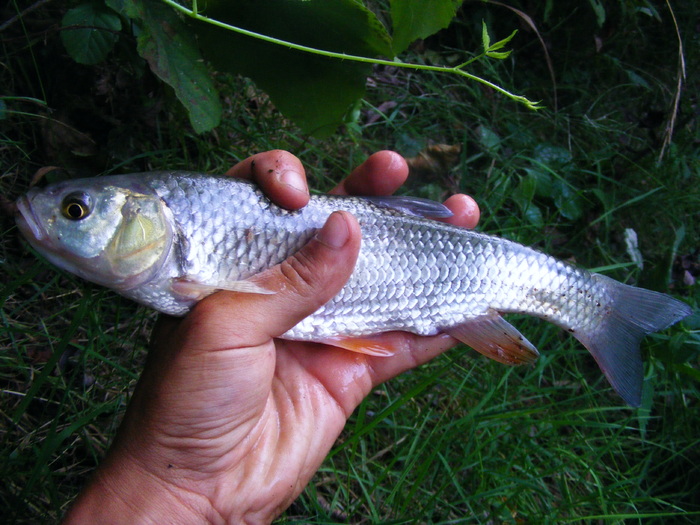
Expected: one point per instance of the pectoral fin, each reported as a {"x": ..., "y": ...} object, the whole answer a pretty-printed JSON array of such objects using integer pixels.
[
  {"x": 195, "y": 290},
  {"x": 367, "y": 345},
  {"x": 496, "y": 338}
]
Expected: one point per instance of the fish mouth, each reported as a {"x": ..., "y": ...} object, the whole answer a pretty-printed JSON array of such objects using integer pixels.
[{"x": 27, "y": 220}]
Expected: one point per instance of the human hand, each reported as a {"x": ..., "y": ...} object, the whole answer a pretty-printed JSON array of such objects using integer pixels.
[{"x": 229, "y": 423}]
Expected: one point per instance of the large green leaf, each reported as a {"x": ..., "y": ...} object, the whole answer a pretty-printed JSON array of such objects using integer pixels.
[
  {"x": 314, "y": 91},
  {"x": 171, "y": 51},
  {"x": 89, "y": 32},
  {"x": 413, "y": 19}
]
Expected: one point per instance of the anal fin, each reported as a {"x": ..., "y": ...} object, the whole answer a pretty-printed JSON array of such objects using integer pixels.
[{"x": 496, "y": 338}]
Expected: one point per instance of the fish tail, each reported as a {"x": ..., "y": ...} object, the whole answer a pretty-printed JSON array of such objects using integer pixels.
[{"x": 614, "y": 343}]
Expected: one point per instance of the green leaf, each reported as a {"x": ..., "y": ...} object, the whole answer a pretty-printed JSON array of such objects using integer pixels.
[
  {"x": 491, "y": 50},
  {"x": 688, "y": 370},
  {"x": 414, "y": 19},
  {"x": 89, "y": 32},
  {"x": 488, "y": 138},
  {"x": 554, "y": 157},
  {"x": 485, "y": 38},
  {"x": 542, "y": 180},
  {"x": 599, "y": 11},
  {"x": 567, "y": 200},
  {"x": 533, "y": 214},
  {"x": 408, "y": 145},
  {"x": 502, "y": 43},
  {"x": 523, "y": 195},
  {"x": 316, "y": 92},
  {"x": 637, "y": 79},
  {"x": 498, "y": 55},
  {"x": 171, "y": 51}
]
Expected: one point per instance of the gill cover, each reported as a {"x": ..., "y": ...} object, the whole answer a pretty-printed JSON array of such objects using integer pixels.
[
  {"x": 112, "y": 234},
  {"x": 141, "y": 242}
]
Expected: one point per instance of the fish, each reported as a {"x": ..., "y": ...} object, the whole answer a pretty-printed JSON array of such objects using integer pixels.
[{"x": 168, "y": 239}]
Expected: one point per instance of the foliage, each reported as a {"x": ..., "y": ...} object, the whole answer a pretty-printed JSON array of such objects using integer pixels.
[
  {"x": 460, "y": 439},
  {"x": 314, "y": 91},
  {"x": 414, "y": 19},
  {"x": 312, "y": 56},
  {"x": 90, "y": 32}
]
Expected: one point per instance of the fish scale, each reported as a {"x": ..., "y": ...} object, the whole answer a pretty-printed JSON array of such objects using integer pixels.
[{"x": 168, "y": 239}]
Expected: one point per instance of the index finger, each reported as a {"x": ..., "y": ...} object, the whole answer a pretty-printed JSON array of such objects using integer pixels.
[
  {"x": 385, "y": 171},
  {"x": 279, "y": 174},
  {"x": 381, "y": 174}
]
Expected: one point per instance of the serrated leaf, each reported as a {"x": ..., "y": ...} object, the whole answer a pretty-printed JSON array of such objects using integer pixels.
[
  {"x": 316, "y": 92},
  {"x": 485, "y": 38},
  {"x": 498, "y": 55},
  {"x": 172, "y": 54},
  {"x": 502, "y": 43},
  {"x": 89, "y": 32},
  {"x": 414, "y": 19}
]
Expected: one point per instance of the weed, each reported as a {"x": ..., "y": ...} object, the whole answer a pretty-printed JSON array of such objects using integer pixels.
[{"x": 461, "y": 439}]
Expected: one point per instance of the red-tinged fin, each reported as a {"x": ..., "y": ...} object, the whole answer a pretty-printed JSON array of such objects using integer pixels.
[
  {"x": 368, "y": 345},
  {"x": 496, "y": 338},
  {"x": 635, "y": 313}
]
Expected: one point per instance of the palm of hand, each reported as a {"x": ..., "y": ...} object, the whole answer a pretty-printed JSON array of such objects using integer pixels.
[{"x": 230, "y": 418}]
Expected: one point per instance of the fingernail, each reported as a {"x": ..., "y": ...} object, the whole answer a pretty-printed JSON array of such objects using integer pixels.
[
  {"x": 294, "y": 180},
  {"x": 335, "y": 232}
]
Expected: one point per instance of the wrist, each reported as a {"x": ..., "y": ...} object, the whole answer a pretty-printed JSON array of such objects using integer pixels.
[{"x": 122, "y": 491}]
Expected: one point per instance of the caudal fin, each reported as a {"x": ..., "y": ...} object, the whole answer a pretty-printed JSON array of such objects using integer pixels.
[{"x": 615, "y": 343}]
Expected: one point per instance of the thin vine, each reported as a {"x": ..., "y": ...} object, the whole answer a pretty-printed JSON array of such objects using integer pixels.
[{"x": 489, "y": 50}]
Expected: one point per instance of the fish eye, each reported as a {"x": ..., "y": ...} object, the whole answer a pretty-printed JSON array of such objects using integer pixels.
[{"x": 76, "y": 206}]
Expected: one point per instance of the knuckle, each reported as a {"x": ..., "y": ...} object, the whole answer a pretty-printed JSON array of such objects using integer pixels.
[{"x": 302, "y": 275}]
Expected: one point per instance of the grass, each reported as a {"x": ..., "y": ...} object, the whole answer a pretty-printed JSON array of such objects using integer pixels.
[{"x": 461, "y": 439}]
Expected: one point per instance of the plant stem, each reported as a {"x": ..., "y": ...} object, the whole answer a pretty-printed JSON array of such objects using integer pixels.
[{"x": 193, "y": 13}]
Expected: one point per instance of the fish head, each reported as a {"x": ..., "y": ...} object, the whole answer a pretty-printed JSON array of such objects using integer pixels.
[{"x": 111, "y": 231}]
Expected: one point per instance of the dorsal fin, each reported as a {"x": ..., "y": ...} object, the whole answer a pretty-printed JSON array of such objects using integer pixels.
[{"x": 413, "y": 206}]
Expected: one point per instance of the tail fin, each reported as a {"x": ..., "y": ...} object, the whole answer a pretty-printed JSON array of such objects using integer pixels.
[{"x": 636, "y": 312}]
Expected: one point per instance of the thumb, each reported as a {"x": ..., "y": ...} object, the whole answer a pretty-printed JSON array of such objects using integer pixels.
[{"x": 302, "y": 284}]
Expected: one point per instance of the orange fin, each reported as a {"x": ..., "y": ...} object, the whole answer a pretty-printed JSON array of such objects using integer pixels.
[
  {"x": 496, "y": 338},
  {"x": 367, "y": 345}
]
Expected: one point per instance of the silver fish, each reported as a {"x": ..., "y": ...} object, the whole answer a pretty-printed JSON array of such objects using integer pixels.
[{"x": 168, "y": 239}]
